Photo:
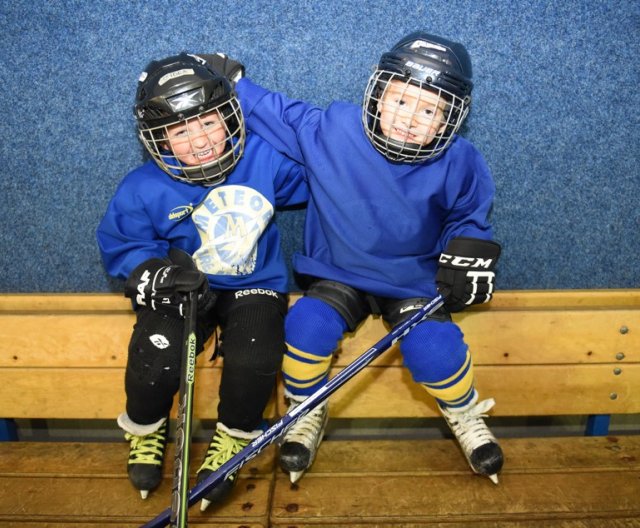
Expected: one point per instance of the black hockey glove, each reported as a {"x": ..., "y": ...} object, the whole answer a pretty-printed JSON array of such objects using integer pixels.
[
  {"x": 163, "y": 285},
  {"x": 231, "y": 69},
  {"x": 465, "y": 275}
]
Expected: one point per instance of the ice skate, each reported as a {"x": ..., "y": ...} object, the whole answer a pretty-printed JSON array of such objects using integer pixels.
[
  {"x": 478, "y": 444},
  {"x": 146, "y": 453},
  {"x": 225, "y": 443},
  {"x": 300, "y": 444}
]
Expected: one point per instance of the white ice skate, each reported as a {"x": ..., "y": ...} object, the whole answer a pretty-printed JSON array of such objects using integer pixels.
[
  {"x": 300, "y": 444},
  {"x": 478, "y": 444}
]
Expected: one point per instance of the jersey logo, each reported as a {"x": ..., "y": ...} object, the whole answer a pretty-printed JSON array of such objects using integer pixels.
[
  {"x": 230, "y": 222},
  {"x": 178, "y": 213}
]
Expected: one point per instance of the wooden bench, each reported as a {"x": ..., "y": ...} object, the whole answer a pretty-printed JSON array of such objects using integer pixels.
[{"x": 549, "y": 353}]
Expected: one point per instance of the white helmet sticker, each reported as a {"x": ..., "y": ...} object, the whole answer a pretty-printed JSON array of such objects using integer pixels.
[
  {"x": 175, "y": 74},
  {"x": 424, "y": 44}
]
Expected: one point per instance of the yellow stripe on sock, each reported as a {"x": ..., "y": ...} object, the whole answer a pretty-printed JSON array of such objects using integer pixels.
[
  {"x": 466, "y": 363},
  {"x": 304, "y": 374},
  {"x": 459, "y": 390}
]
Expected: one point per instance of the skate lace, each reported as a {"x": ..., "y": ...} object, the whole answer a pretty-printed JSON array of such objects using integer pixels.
[
  {"x": 469, "y": 427},
  {"x": 147, "y": 449},
  {"x": 222, "y": 447},
  {"x": 307, "y": 430}
]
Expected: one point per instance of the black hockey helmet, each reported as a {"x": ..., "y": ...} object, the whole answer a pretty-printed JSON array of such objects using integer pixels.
[
  {"x": 178, "y": 89},
  {"x": 431, "y": 63}
]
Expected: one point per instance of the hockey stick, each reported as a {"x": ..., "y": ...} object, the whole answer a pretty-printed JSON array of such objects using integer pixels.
[
  {"x": 179, "y": 504},
  {"x": 289, "y": 419}
]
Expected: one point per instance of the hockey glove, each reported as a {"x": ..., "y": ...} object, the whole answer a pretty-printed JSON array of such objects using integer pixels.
[
  {"x": 220, "y": 63},
  {"x": 465, "y": 274},
  {"x": 162, "y": 285}
]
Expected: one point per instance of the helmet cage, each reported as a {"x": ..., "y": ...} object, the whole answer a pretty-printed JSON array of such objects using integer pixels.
[
  {"x": 213, "y": 172},
  {"x": 454, "y": 111}
]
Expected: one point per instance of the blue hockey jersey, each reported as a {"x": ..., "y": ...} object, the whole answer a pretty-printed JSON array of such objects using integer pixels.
[
  {"x": 229, "y": 229},
  {"x": 373, "y": 224}
]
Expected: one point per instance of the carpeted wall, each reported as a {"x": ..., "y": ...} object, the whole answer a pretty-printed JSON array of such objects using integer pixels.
[{"x": 555, "y": 113}]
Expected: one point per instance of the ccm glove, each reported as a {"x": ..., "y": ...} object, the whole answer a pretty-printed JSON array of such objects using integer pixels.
[
  {"x": 163, "y": 286},
  {"x": 220, "y": 63},
  {"x": 465, "y": 274}
]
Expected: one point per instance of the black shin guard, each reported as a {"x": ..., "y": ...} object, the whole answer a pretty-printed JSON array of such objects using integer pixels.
[
  {"x": 152, "y": 376},
  {"x": 252, "y": 345}
]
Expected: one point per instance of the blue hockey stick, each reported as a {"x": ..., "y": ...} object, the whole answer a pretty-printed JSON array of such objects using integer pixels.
[{"x": 289, "y": 419}]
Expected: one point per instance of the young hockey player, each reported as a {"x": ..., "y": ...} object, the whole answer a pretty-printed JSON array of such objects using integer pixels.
[
  {"x": 198, "y": 217},
  {"x": 398, "y": 211}
]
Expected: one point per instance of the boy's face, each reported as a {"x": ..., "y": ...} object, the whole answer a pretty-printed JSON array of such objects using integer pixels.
[
  {"x": 198, "y": 140},
  {"x": 409, "y": 114}
]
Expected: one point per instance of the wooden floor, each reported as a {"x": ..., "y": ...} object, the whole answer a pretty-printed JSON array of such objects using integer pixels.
[
  {"x": 85, "y": 485},
  {"x": 555, "y": 482}
]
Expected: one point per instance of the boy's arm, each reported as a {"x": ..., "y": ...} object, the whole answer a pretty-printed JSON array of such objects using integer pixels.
[
  {"x": 291, "y": 184},
  {"x": 282, "y": 122},
  {"x": 466, "y": 267},
  {"x": 126, "y": 237}
]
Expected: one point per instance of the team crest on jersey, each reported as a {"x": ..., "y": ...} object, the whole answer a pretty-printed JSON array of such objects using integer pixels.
[{"x": 230, "y": 222}]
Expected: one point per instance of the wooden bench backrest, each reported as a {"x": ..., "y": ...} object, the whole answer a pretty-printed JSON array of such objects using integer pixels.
[{"x": 536, "y": 353}]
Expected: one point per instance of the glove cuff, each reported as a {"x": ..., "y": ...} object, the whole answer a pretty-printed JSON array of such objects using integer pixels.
[{"x": 470, "y": 254}]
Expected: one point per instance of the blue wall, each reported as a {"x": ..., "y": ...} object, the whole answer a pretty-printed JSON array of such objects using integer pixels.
[{"x": 555, "y": 112}]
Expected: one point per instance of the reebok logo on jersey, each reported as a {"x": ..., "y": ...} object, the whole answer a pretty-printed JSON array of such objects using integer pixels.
[{"x": 465, "y": 262}]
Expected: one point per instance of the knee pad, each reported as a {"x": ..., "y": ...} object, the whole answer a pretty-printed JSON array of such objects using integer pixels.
[
  {"x": 152, "y": 376},
  {"x": 349, "y": 303},
  {"x": 438, "y": 358},
  {"x": 155, "y": 347},
  {"x": 313, "y": 330},
  {"x": 253, "y": 334}
]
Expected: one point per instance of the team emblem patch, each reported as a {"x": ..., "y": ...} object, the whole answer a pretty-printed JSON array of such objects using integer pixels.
[{"x": 230, "y": 222}]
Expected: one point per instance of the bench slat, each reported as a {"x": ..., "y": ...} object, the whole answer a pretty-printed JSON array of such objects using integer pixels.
[
  {"x": 503, "y": 299},
  {"x": 526, "y": 337},
  {"x": 375, "y": 392},
  {"x": 89, "y": 393},
  {"x": 519, "y": 391},
  {"x": 495, "y": 337}
]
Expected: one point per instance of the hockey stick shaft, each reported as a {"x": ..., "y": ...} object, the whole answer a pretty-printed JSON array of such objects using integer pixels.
[
  {"x": 179, "y": 495},
  {"x": 289, "y": 419}
]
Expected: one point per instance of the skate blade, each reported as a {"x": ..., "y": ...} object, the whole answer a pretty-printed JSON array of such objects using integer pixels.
[
  {"x": 494, "y": 479},
  {"x": 204, "y": 504},
  {"x": 295, "y": 476},
  {"x": 144, "y": 493}
]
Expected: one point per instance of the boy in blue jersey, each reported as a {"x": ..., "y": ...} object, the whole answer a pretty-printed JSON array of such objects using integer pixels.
[
  {"x": 398, "y": 211},
  {"x": 199, "y": 217}
]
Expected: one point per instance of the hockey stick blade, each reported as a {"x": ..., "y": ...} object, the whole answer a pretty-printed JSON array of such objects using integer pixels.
[{"x": 288, "y": 420}]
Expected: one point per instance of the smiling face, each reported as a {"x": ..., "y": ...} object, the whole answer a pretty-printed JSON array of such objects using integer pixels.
[
  {"x": 198, "y": 140},
  {"x": 409, "y": 114}
]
